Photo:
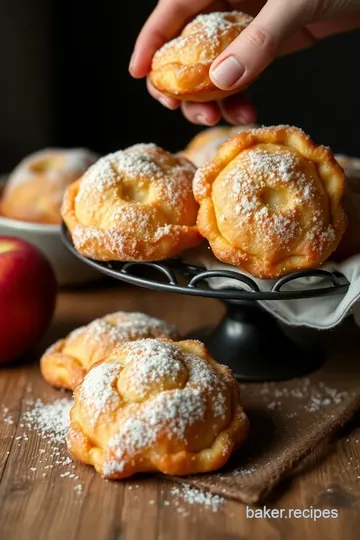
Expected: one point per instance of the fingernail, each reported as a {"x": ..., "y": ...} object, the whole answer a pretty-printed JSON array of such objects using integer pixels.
[
  {"x": 200, "y": 119},
  {"x": 239, "y": 119},
  {"x": 163, "y": 100},
  {"x": 228, "y": 72},
  {"x": 244, "y": 118},
  {"x": 132, "y": 61}
]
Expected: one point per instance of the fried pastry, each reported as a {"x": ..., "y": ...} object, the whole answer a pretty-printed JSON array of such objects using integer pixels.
[
  {"x": 203, "y": 147},
  {"x": 66, "y": 362},
  {"x": 180, "y": 69},
  {"x": 271, "y": 202},
  {"x": 351, "y": 165},
  {"x": 156, "y": 405},
  {"x": 350, "y": 242},
  {"x": 133, "y": 205},
  {"x": 35, "y": 188}
]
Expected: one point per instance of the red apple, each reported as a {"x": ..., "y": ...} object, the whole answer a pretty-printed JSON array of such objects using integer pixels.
[{"x": 27, "y": 297}]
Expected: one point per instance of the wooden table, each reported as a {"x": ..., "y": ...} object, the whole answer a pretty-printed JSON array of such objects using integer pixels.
[{"x": 39, "y": 504}]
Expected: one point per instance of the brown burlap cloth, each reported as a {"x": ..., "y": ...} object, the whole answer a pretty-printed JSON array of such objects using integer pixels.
[{"x": 289, "y": 420}]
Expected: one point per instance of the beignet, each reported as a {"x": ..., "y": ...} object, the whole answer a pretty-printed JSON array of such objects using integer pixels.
[
  {"x": 133, "y": 205},
  {"x": 271, "y": 202},
  {"x": 35, "y": 189},
  {"x": 67, "y": 361},
  {"x": 180, "y": 69},
  {"x": 157, "y": 405},
  {"x": 203, "y": 147},
  {"x": 350, "y": 242}
]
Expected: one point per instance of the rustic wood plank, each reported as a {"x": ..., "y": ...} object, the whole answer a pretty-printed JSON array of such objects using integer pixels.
[
  {"x": 36, "y": 502},
  {"x": 12, "y": 387}
]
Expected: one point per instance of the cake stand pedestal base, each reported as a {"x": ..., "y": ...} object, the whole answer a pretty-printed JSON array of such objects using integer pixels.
[{"x": 252, "y": 343}]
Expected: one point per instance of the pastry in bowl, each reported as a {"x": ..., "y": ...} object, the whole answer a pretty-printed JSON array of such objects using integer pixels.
[
  {"x": 350, "y": 242},
  {"x": 133, "y": 205},
  {"x": 35, "y": 188},
  {"x": 156, "y": 405},
  {"x": 180, "y": 69},
  {"x": 271, "y": 202},
  {"x": 203, "y": 147},
  {"x": 66, "y": 362},
  {"x": 350, "y": 164}
]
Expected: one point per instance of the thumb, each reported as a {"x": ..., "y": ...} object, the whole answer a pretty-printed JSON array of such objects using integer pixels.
[{"x": 253, "y": 50}]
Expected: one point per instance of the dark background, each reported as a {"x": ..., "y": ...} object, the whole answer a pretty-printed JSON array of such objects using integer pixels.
[{"x": 65, "y": 82}]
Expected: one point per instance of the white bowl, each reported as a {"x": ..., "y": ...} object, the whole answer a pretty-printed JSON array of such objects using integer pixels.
[{"x": 68, "y": 269}]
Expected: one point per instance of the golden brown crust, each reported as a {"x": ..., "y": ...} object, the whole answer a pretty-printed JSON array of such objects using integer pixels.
[
  {"x": 157, "y": 405},
  {"x": 133, "y": 205},
  {"x": 60, "y": 369},
  {"x": 180, "y": 69},
  {"x": 35, "y": 189},
  {"x": 66, "y": 362},
  {"x": 271, "y": 202},
  {"x": 203, "y": 147}
]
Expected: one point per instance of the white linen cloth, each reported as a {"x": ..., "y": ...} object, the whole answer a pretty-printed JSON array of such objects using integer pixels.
[{"x": 321, "y": 313}]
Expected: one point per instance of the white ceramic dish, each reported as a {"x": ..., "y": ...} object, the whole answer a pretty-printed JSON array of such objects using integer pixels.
[
  {"x": 47, "y": 238},
  {"x": 68, "y": 269}
]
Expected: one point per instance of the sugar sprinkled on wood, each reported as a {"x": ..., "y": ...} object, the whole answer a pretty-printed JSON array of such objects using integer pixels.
[{"x": 193, "y": 496}]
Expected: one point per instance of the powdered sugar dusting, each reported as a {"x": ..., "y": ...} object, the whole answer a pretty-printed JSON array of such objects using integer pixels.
[
  {"x": 138, "y": 162},
  {"x": 132, "y": 198},
  {"x": 180, "y": 498},
  {"x": 311, "y": 397},
  {"x": 174, "y": 411},
  {"x": 112, "y": 239},
  {"x": 98, "y": 391},
  {"x": 154, "y": 363},
  {"x": 157, "y": 361},
  {"x": 122, "y": 326},
  {"x": 204, "y": 34},
  {"x": 60, "y": 166},
  {"x": 51, "y": 420},
  {"x": 7, "y": 417},
  {"x": 283, "y": 227},
  {"x": 196, "y": 496},
  {"x": 107, "y": 171},
  {"x": 219, "y": 21},
  {"x": 180, "y": 386},
  {"x": 152, "y": 349},
  {"x": 278, "y": 172}
]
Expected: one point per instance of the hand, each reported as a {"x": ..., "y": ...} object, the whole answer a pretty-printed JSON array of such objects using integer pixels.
[{"x": 279, "y": 27}]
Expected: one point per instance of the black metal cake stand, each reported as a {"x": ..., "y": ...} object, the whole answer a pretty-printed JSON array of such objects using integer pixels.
[{"x": 248, "y": 339}]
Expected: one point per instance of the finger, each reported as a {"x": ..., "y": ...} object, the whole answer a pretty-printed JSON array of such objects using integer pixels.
[
  {"x": 302, "y": 39},
  {"x": 336, "y": 25},
  {"x": 166, "y": 21},
  {"x": 238, "y": 110},
  {"x": 252, "y": 51},
  {"x": 167, "y": 101},
  {"x": 313, "y": 32},
  {"x": 205, "y": 114}
]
